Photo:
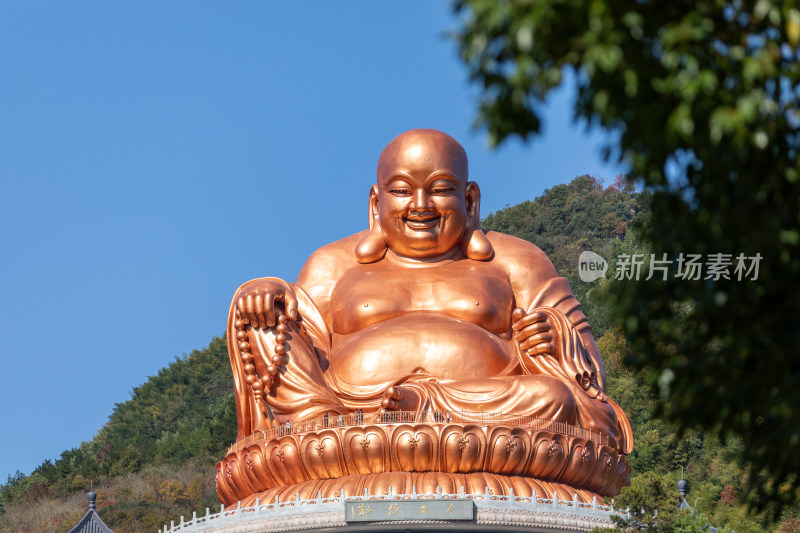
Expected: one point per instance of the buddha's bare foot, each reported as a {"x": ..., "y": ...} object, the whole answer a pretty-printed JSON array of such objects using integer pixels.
[
  {"x": 391, "y": 399},
  {"x": 397, "y": 398}
]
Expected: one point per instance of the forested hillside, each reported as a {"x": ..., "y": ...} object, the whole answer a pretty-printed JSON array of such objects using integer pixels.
[{"x": 153, "y": 460}]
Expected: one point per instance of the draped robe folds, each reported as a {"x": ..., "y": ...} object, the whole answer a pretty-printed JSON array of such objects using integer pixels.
[{"x": 566, "y": 386}]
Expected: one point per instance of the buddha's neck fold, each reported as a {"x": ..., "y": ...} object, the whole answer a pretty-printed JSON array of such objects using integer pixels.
[{"x": 424, "y": 262}]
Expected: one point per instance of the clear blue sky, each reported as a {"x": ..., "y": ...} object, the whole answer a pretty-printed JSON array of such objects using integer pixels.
[{"x": 155, "y": 155}]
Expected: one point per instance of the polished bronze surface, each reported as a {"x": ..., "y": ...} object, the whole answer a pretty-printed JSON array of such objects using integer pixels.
[
  {"x": 509, "y": 450},
  {"x": 421, "y": 313}
]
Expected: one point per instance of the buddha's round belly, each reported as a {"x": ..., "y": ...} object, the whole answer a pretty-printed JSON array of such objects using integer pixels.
[{"x": 429, "y": 343}]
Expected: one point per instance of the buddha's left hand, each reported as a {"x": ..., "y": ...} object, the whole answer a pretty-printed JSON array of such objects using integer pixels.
[{"x": 533, "y": 332}]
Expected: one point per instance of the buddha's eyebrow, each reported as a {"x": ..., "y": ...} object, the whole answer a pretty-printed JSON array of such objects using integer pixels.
[
  {"x": 442, "y": 175},
  {"x": 396, "y": 177}
]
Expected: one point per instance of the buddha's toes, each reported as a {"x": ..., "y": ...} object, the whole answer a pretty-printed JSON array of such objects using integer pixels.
[{"x": 396, "y": 398}]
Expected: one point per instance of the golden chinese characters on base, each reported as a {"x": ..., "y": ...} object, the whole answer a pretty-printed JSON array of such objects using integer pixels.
[{"x": 421, "y": 352}]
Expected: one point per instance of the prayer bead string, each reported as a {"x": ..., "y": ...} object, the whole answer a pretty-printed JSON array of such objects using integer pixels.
[{"x": 261, "y": 385}]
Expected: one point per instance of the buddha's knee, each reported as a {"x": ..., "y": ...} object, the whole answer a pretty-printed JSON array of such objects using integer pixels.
[{"x": 551, "y": 397}]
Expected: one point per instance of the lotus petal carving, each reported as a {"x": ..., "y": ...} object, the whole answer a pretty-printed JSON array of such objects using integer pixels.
[
  {"x": 462, "y": 448},
  {"x": 508, "y": 450},
  {"x": 225, "y": 491},
  {"x": 580, "y": 462},
  {"x": 415, "y": 449},
  {"x": 285, "y": 463},
  {"x": 255, "y": 468},
  {"x": 549, "y": 454},
  {"x": 366, "y": 450},
  {"x": 424, "y": 456},
  {"x": 322, "y": 455},
  {"x": 236, "y": 479}
]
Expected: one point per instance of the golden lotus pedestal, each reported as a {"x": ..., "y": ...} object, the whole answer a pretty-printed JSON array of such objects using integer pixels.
[{"x": 421, "y": 453}]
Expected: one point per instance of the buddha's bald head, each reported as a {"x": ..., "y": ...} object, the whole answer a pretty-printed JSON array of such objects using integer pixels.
[{"x": 427, "y": 148}]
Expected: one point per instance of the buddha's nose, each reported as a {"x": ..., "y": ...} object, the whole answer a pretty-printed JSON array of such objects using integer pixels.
[{"x": 421, "y": 201}]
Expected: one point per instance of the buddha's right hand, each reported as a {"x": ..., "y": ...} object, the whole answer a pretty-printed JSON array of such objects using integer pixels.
[{"x": 256, "y": 301}]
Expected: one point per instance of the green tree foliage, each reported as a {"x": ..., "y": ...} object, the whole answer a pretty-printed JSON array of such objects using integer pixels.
[
  {"x": 660, "y": 454},
  {"x": 695, "y": 523},
  {"x": 700, "y": 98},
  {"x": 652, "y": 502}
]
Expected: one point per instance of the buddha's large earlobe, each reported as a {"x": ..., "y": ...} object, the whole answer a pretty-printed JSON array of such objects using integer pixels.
[
  {"x": 372, "y": 247},
  {"x": 475, "y": 244}
]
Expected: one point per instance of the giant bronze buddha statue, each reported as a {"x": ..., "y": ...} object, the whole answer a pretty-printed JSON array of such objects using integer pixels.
[{"x": 420, "y": 352}]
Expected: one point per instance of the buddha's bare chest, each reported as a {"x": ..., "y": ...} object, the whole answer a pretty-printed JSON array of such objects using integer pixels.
[{"x": 469, "y": 290}]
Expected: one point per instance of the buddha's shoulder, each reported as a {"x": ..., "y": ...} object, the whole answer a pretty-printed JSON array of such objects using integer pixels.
[
  {"x": 343, "y": 249},
  {"x": 517, "y": 254},
  {"x": 508, "y": 245},
  {"x": 334, "y": 257}
]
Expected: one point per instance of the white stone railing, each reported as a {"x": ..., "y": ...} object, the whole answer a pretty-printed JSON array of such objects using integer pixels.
[{"x": 510, "y": 510}]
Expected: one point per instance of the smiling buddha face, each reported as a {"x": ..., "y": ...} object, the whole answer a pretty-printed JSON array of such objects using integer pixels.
[
  {"x": 422, "y": 194},
  {"x": 425, "y": 313},
  {"x": 423, "y": 204}
]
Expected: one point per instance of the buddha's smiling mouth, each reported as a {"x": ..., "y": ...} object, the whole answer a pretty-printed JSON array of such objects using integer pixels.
[{"x": 421, "y": 223}]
